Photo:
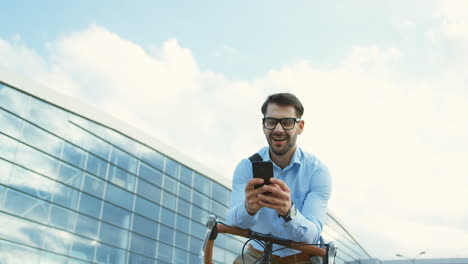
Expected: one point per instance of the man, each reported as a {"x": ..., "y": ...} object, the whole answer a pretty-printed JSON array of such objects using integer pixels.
[{"x": 296, "y": 207}]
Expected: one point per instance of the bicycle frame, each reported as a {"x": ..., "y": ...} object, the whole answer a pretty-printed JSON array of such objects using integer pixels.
[{"x": 214, "y": 227}]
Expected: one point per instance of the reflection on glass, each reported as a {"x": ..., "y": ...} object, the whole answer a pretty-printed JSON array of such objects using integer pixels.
[
  {"x": 195, "y": 245},
  {"x": 199, "y": 214},
  {"x": 181, "y": 240},
  {"x": 122, "y": 178},
  {"x": 66, "y": 196},
  {"x": 93, "y": 185},
  {"x": 10, "y": 253},
  {"x": 13, "y": 100},
  {"x": 144, "y": 226},
  {"x": 172, "y": 168},
  {"x": 185, "y": 192},
  {"x": 48, "y": 116},
  {"x": 88, "y": 141},
  {"x": 109, "y": 255},
  {"x": 169, "y": 200},
  {"x": 202, "y": 184},
  {"x": 165, "y": 252},
  {"x": 170, "y": 184},
  {"x": 113, "y": 235},
  {"x": 167, "y": 217},
  {"x": 70, "y": 175},
  {"x": 152, "y": 157},
  {"x": 220, "y": 193},
  {"x": 197, "y": 230},
  {"x": 116, "y": 215},
  {"x": 36, "y": 161},
  {"x": 11, "y": 125},
  {"x": 86, "y": 226},
  {"x": 90, "y": 205},
  {"x": 42, "y": 140},
  {"x": 201, "y": 200},
  {"x": 134, "y": 258},
  {"x": 183, "y": 223},
  {"x": 83, "y": 248},
  {"x": 62, "y": 218},
  {"x": 73, "y": 155},
  {"x": 123, "y": 160},
  {"x": 96, "y": 166},
  {"x": 180, "y": 256},
  {"x": 146, "y": 208},
  {"x": 186, "y": 175},
  {"x": 119, "y": 196},
  {"x": 143, "y": 245},
  {"x": 183, "y": 207},
  {"x": 8, "y": 149},
  {"x": 26, "y": 206},
  {"x": 32, "y": 183},
  {"x": 149, "y": 191},
  {"x": 150, "y": 174}
]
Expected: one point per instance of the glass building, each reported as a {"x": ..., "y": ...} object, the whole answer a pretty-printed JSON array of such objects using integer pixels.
[{"x": 78, "y": 186}]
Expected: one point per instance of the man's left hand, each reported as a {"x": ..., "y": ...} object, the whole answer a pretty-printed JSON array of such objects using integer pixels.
[{"x": 279, "y": 198}]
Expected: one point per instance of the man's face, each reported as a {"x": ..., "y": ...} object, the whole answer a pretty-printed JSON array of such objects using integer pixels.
[{"x": 282, "y": 141}]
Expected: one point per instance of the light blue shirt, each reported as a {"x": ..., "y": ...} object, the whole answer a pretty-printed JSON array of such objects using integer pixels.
[{"x": 310, "y": 184}]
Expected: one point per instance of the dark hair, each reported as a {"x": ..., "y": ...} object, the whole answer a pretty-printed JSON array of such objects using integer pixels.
[{"x": 284, "y": 99}]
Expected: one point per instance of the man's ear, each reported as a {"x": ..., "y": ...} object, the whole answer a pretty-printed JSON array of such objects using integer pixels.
[{"x": 301, "y": 127}]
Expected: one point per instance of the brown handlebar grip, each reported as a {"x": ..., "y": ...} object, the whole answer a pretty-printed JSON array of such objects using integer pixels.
[{"x": 208, "y": 257}]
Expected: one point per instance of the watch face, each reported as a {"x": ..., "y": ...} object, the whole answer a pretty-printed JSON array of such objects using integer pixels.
[{"x": 293, "y": 212}]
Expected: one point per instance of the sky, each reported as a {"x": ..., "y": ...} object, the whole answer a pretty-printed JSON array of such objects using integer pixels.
[{"x": 383, "y": 83}]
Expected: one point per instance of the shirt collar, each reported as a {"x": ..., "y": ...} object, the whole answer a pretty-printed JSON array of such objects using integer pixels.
[{"x": 295, "y": 159}]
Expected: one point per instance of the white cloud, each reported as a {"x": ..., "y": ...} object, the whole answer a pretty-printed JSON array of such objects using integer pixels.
[
  {"x": 454, "y": 16},
  {"x": 396, "y": 147}
]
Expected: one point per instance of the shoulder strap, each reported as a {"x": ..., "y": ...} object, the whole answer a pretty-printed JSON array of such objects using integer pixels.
[{"x": 255, "y": 157}]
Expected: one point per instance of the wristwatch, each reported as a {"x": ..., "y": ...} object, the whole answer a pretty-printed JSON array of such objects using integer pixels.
[{"x": 291, "y": 213}]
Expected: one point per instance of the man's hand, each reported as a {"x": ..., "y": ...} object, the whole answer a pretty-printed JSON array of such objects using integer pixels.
[
  {"x": 279, "y": 199},
  {"x": 251, "y": 196}
]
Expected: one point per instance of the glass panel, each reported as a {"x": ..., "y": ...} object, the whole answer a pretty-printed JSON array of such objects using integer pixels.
[
  {"x": 185, "y": 192},
  {"x": 37, "y": 161},
  {"x": 73, "y": 155},
  {"x": 220, "y": 193},
  {"x": 11, "y": 125},
  {"x": 21, "y": 231},
  {"x": 96, "y": 166},
  {"x": 183, "y": 208},
  {"x": 134, "y": 258},
  {"x": 13, "y": 100},
  {"x": 170, "y": 184},
  {"x": 152, "y": 157},
  {"x": 147, "y": 208},
  {"x": 183, "y": 223},
  {"x": 8, "y": 149},
  {"x": 169, "y": 200},
  {"x": 110, "y": 255},
  {"x": 87, "y": 226},
  {"x": 195, "y": 245},
  {"x": 70, "y": 175},
  {"x": 83, "y": 248},
  {"x": 42, "y": 140},
  {"x": 165, "y": 252},
  {"x": 181, "y": 240},
  {"x": 62, "y": 218},
  {"x": 149, "y": 191},
  {"x": 186, "y": 175},
  {"x": 201, "y": 200},
  {"x": 115, "y": 138},
  {"x": 119, "y": 196},
  {"x": 48, "y": 116},
  {"x": 26, "y": 206},
  {"x": 56, "y": 240},
  {"x": 199, "y": 215},
  {"x": 197, "y": 230},
  {"x": 150, "y": 174},
  {"x": 66, "y": 196},
  {"x": 167, "y": 217},
  {"x": 145, "y": 226},
  {"x": 143, "y": 245},
  {"x": 180, "y": 256},
  {"x": 123, "y": 160},
  {"x": 88, "y": 141},
  {"x": 113, "y": 235},
  {"x": 122, "y": 178},
  {"x": 218, "y": 209},
  {"x": 90, "y": 205},
  {"x": 116, "y": 215},
  {"x": 172, "y": 168},
  {"x": 32, "y": 183},
  {"x": 93, "y": 185},
  {"x": 202, "y": 184},
  {"x": 10, "y": 253}
]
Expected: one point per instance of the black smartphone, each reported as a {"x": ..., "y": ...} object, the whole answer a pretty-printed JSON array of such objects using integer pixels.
[{"x": 264, "y": 170}]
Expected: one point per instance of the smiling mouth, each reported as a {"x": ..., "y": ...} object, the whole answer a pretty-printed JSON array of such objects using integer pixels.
[{"x": 278, "y": 139}]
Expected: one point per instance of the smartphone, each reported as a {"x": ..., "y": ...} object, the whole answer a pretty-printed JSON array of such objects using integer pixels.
[{"x": 264, "y": 170}]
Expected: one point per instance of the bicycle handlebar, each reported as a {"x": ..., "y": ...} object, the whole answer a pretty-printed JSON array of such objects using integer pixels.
[{"x": 215, "y": 227}]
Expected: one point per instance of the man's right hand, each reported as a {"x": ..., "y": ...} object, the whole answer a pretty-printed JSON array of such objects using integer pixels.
[{"x": 251, "y": 196}]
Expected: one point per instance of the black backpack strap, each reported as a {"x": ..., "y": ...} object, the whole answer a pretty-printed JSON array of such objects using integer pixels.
[{"x": 255, "y": 157}]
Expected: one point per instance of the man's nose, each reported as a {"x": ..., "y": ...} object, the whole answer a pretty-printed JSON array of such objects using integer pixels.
[{"x": 278, "y": 128}]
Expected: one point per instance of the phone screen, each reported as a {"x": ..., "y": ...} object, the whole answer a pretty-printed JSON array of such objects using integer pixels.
[{"x": 264, "y": 170}]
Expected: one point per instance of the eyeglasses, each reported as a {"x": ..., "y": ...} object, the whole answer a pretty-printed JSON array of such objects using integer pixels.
[{"x": 287, "y": 123}]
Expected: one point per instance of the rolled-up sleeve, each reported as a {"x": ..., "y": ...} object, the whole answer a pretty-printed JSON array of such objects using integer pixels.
[{"x": 237, "y": 214}]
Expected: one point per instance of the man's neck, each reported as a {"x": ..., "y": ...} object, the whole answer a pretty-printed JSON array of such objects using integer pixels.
[{"x": 283, "y": 160}]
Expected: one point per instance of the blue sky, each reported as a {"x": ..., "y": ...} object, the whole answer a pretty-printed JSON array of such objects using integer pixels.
[{"x": 383, "y": 83}]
